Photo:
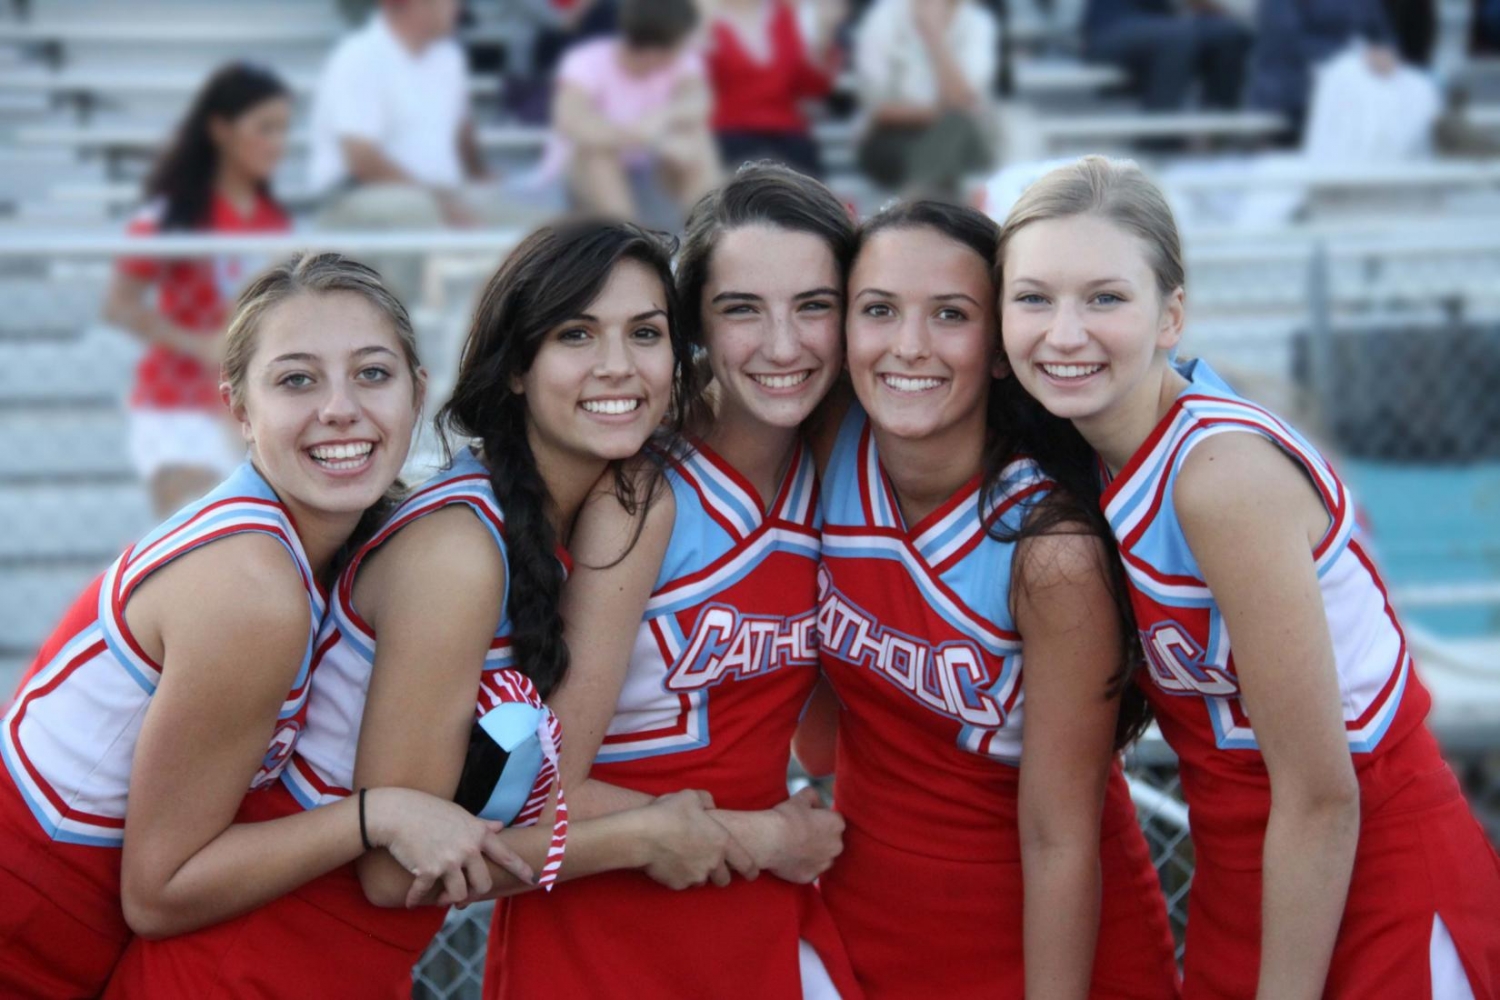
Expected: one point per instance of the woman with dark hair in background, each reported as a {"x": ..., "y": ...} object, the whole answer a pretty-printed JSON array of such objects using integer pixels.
[
  {"x": 984, "y": 856},
  {"x": 214, "y": 177},
  {"x": 570, "y": 365},
  {"x": 693, "y": 637}
]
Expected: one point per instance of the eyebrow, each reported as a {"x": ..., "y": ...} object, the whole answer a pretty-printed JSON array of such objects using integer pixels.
[
  {"x": 875, "y": 291},
  {"x": 824, "y": 291},
  {"x": 304, "y": 356},
  {"x": 952, "y": 296},
  {"x": 1039, "y": 283},
  {"x": 637, "y": 318}
]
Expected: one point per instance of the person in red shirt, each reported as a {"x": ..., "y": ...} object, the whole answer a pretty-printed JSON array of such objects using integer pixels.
[
  {"x": 214, "y": 177},
  {"x": 761, "y": 66}
]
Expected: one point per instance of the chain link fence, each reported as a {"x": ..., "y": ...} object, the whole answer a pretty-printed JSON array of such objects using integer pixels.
[{"x": 1386, "y": 351}]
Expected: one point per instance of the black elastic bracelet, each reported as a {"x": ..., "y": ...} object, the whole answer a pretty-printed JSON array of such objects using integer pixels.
[{"x": 364, "y": 836}]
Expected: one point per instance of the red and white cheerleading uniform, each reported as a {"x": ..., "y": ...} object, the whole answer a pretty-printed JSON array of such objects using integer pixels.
[
  {"x": 723, "y": 664},
  {"x": 920, "y": 647},
  {"x": 326, "y": 939},
  {"x": 1423, "y": 913},
  {"x": 69, "y": 739}
]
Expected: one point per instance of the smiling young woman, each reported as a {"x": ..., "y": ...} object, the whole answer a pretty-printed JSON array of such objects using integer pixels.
[
  {"x": 956, "y": 546},
  {"x": 443, "y": 638},
  {"x": 1334, "y": 853},
  {"x": 179, "y": 679},
  {"x": 691, "y": 629},
  {"x": 215, "y": 176}
]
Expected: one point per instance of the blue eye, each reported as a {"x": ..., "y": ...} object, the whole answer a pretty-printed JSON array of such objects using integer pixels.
[
  {"x": 295, "y": 380},
  {"x": 817, "y": 305},
  {"x": 1030, "y": 299},
  {"x": 1108, "y": 299},
  {"x": 375, "y": 373}
]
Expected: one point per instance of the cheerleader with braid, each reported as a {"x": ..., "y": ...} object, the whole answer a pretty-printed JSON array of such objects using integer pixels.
[{"x": 444, "y": 636}]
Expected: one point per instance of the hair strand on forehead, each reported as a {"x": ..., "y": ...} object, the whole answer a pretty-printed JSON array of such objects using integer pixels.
[{"x": 1117, "y": 191}]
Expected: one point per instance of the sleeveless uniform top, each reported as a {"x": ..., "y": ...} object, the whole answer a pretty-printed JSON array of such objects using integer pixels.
[
  {"x": 723, "y": 663},
  {"x": 920, "y": 646},
  {"x": 69, "y": 737},
  {"x": 917, "y": 639},
  {"x": 1419, "y": 919},
  {"x": 733, "y": 603},
  {"x": 328, "y": 939},
  {"x": 322, "y": 771},
  {"x": 1191, "y": 679}
]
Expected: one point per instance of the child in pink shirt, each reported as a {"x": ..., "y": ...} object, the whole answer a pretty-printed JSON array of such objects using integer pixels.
[{"x": 632, "y": 107}]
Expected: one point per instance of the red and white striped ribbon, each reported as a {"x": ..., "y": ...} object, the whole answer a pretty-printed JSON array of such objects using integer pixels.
[{"x": 549, "y": 732}]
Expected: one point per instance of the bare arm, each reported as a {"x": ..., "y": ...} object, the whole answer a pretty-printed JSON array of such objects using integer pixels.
[
  {"x": 125, "y": 306},
  {"x": 603, "y": 605},
  {"x": 954, "y": 89},
  {"x": 1066, "y": 616},
  {"x": 1252, "y": 520},
  {"x": 368, "y": 165},
  {"x": 689, "y": 107},
  {"x": 433, "y": 595},
  {"x": 229, "y": 624},
  {"x": 468, "y": 150},
  {"x": 577, "y": 120}
]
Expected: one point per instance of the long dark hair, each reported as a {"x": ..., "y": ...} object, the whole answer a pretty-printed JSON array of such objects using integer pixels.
[
  {"x": 184, "y": 175},
  {"x": 1017, "y": 425},
  {"x": 549, "y": 278}
]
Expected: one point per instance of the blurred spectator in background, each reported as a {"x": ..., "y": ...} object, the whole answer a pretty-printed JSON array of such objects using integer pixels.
[
  {"x": 761, "y": 68},
  {"x": 927, "y": 70},
  {"x": 214, "y": 177},
  {"x": 1167, "y": 50},
  {"x": 631, "y": 115},
  {"x": 392, "y": 141},
  {"x": 1293, "y": 36}
]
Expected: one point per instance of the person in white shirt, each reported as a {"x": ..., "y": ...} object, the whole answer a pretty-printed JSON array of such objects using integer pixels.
[
  {"x": 393, "y": 144},
  {"x": 392, "y": 110},
  {"x": 926, "y": 71}
]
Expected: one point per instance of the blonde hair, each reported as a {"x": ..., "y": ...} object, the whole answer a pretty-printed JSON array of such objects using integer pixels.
[
  {"x": 304, "y": 273},
  {"x": 1115, "y": 190}
]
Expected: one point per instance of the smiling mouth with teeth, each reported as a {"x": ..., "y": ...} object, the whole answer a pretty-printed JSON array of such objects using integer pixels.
[
  {"x": 787, "y": 381},
  {"x": 610, "y": 407},
  {"x": 1071, "y": 371},
  {"x": 341, "y": 456},
  {"x": 904, "y": 383}
]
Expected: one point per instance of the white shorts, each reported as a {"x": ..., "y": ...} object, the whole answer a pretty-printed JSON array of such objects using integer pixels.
[{"x": 193, "y": 438}]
